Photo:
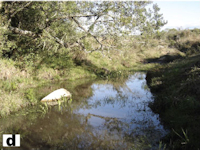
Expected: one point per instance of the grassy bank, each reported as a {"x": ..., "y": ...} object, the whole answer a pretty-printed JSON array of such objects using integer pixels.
[
  {"x": 16, "y": 84},
  {"x": 176, "y": 87},
  {"x": 19, "y": 74}
]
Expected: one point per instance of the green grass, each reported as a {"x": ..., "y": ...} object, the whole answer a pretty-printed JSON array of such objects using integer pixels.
[
  {"x": 30, "y": 71},
  {"x": 18, "y": 77},
  {"x": 17, "y": 83},
  {"x": 176, "y": 87}
]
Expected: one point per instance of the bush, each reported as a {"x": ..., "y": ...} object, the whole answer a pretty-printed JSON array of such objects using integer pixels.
[{"x": 186, "y": 41}]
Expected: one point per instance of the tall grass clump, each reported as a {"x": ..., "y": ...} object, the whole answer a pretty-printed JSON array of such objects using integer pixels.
[{"x": 9, "y": 102}]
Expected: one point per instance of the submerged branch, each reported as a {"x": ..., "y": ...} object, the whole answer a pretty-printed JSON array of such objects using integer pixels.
[{"x": 102, "y": 117}]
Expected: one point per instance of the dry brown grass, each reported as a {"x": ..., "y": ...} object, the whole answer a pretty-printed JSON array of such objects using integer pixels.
[
  {"x": 9, "y": 71},
  {"x": 129, "y": 52},
  {"x": 186, "y": 41},
  {"x": 188, "y": 36},
  {"x": 45, "y": 73},
  {"x": 11, "y": 101}
]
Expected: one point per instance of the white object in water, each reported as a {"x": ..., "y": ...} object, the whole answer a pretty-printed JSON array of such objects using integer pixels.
[{"x": 56, "y": 95}]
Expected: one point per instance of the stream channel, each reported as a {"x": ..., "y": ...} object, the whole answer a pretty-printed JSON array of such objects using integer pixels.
[{"x": 102, "y": 115}]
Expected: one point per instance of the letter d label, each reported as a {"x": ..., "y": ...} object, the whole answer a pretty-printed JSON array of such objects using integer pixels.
[{"x": 11, "y": 140}]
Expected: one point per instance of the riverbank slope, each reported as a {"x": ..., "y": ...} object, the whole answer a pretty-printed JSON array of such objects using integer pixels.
[{"x": 176, "y": 87}]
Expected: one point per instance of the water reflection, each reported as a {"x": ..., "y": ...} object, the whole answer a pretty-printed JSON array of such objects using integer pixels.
[
  {"x": 123, "y": 110},
  {"x": 103, "y": 115}
]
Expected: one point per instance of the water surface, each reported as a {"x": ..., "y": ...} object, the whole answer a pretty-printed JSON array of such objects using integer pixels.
[{"x": 102, "y": 115}]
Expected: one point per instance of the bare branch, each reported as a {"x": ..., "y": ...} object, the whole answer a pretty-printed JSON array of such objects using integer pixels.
[
  {"x": 83, "y": 15},
  {"x": 78, "y": 16},
  {"x": 14, "y": 13},
  {"x": 23, "y": 32},
  {"x": 76, "y": 21},
  {"x": 61, "y": 42},
  {"x": 93, "y": 23},
  {"x": 101, "y": 45}
]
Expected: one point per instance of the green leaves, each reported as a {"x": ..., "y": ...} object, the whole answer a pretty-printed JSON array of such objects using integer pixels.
[{"x": 51, "y": 26}]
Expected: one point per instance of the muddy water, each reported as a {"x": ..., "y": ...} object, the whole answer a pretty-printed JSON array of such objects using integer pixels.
[{"x": 102, "y": 115}]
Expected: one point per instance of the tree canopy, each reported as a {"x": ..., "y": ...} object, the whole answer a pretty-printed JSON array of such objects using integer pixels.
[{"x": 35, "y": 26}]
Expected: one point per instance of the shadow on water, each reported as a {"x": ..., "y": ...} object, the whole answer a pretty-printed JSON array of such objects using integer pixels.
[{"x": 102, "y": 115}]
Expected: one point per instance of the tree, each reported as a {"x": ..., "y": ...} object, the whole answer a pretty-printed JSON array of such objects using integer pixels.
[
  {"x": 36, "y": 26},
  {"x": 153, "y": 22}
]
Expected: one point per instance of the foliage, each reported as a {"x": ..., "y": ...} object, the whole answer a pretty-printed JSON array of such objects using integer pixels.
[
  {"x": 155, "y": 22},
  {"x": 35, "y": 27}
]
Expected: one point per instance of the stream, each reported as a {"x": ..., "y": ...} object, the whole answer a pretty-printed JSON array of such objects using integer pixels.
[{"x": 102, "y": 115}]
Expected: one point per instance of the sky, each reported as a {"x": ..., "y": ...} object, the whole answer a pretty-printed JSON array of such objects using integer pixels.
[{"x": 180, "y": 14}]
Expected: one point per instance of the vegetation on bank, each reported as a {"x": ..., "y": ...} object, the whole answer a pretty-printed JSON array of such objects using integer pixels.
[
  {"x": 17, "y": 78},
  {"x": 43, "y": 42},
  {"x": 176, "y": 87},
  {"x": 50, "y": 41}
]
